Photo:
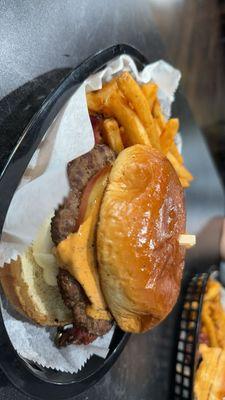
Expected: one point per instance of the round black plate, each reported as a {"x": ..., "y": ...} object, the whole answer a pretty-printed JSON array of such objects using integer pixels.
[
  {"x": 33, "y": 380},
  {"x": 42, "y": 383}
]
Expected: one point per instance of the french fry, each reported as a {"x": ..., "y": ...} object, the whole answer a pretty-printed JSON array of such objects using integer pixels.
[
  {"x": 213, "y": 289},
  {"x": 133, "y": 93},
  {"x": 97, "y": 101},
  {"x": 210, "y": 328},
  {"x": 135, "y": 131},
  {"x": 158, "y": 115},
  {"x": 184, "y": 182},
  {"x": 111, "y": 135},
  {"x": 150, "y": 92},
  {"x": 124, "y": 136},
  {"x": 134, "y": 116},
  {"x": 179, "y": 168},
  {"x": 176, "y": 154},
  {"x": 213, "y": 315},
  {"x": 158, "y": 129},
  {"x": 218, "y": 317},
  {"x": 168, "y": 134}
]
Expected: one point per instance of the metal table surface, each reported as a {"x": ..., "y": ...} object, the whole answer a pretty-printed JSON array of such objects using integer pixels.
[{"x": 40, "y": 41}]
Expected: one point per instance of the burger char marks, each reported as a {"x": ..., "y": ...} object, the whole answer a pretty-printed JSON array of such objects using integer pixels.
[
  {"x": 79, "y": 171},
  {"x": 75, "y": 299},
  {"x": 74, "y": 335},
  {"x": 83, "y": 168}
]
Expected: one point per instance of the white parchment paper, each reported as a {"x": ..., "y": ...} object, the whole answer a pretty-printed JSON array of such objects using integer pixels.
[{"x": 42, "y": 189}]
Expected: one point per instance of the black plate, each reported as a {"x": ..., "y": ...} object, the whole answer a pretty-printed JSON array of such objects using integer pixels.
[{"x": 26, "y": 376}]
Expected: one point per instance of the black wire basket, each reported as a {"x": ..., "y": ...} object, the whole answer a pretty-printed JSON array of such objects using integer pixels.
[{"x": 186, "y": 357}]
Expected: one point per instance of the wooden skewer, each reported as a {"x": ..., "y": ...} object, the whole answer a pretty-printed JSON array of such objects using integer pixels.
[{"x": 187, "y": 240}]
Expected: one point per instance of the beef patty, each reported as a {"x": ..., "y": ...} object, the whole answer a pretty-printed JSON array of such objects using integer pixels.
[
  {"x": 73, "y": 335},
  {"x": 75, "y": 299},
  {"x": 79, "y": 171}
]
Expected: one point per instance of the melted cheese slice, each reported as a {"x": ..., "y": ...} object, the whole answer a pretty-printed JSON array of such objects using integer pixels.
[{"x": 77, "y": 254}]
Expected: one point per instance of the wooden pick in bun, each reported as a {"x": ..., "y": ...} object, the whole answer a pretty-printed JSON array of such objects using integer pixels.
[{"x": 139, "y": 256}]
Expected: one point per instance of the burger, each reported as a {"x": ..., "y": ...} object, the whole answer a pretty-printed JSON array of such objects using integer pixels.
[{"x": 116, "y": 254}]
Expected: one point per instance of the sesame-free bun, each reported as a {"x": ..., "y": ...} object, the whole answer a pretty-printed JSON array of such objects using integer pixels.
[
  {"x": 27, "y": 291},
  {"x": 139, "y": 256}
]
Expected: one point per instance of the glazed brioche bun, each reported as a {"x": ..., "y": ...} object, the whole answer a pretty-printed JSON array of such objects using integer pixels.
[
  {"x": 210, "y": 376},
  {"x": 139, "y": 256},
  {"x": 28, "y": 292}
]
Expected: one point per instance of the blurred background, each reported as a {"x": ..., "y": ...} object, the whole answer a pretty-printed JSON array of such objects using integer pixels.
[{"x": 193, "y": 32}]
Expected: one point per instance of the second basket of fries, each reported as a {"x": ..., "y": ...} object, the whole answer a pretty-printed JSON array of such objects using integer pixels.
[{"x": 200, "y": 357}]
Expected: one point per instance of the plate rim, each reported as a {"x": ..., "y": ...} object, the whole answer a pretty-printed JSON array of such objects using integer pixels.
[{"x": 56, "y": 98}]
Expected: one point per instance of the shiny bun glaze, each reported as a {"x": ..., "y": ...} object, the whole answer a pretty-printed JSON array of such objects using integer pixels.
[{"x": 140, "y": 259}]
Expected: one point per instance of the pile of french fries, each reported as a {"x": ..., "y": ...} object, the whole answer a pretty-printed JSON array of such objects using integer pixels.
[
  {"x": 213, "y": 315},
  {"x": 132, "y": 115}
]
